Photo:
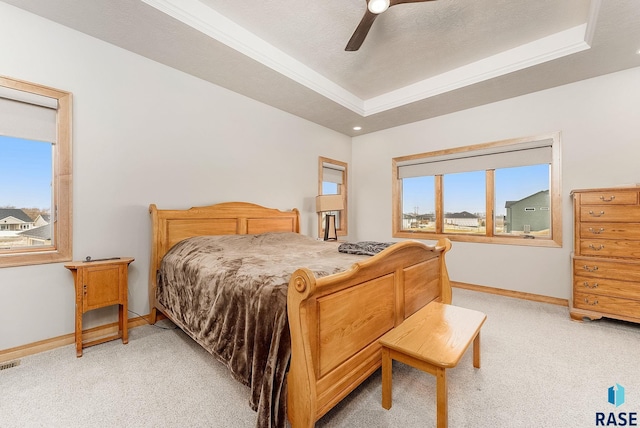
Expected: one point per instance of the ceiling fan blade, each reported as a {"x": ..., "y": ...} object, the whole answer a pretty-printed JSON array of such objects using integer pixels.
[
  {"x": 361, "y": 31},
  {"x": 367, "y": 21},
  {"x": 395, "y": 2}
]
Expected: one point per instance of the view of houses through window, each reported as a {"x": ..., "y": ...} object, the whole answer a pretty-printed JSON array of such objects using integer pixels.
[
  {"x": 522, "y": 203},
  {"x": 493, "y": 192},
  {"x": 25, "y": 193}
]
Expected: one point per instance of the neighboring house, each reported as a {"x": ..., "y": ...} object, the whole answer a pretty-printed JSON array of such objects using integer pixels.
[
  {"x": 530, "y": 214},
  {"x": 413, "y": 221},
  {"x": 38, "y": 236},
  {"x": 463, "y": 218},
  {"x": 14, "y": 219},
  {"x": 42, "y": 220}
]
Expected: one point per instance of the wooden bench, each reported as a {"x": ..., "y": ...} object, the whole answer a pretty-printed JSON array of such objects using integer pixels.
[{"x": 433, "y": 340}]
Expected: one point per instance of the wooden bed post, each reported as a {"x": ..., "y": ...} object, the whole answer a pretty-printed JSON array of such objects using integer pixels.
[{"x": 301, "y": 383}]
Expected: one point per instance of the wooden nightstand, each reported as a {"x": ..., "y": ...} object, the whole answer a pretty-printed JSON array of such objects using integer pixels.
[{"x": 98, "y": 284}]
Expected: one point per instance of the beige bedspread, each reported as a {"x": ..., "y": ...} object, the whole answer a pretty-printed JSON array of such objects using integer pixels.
[{"x": 229, "y": 293}]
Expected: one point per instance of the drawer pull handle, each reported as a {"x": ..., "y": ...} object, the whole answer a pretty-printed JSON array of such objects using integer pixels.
[
  {"x": 596, "y": 232},
  {"x": 595, "y": 302},
  {"x": 592, "y": 214},
  {"x": 588, "y": 269},
  {"x": 593, "y": 247},
  {"x": 604, "y": 199},
  {"x": 586, "y": 284}
]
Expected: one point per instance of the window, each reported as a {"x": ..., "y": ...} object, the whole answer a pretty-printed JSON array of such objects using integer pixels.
[
  {"x": 35, "y": 174},
  {"x": 497, "y": 192},
  {"x": 332, "y": 180}
]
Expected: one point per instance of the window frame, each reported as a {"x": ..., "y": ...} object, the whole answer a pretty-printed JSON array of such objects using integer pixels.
[
  {"x": 342, "y": 190},
  {"x": 555, "y": 194},
  {"x": 61, "y": 209}
]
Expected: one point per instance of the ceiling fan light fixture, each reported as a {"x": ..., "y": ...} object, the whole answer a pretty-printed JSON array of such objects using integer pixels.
[{"x": 378, "y": 6}]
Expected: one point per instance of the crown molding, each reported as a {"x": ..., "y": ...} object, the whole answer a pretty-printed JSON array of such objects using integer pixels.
[
  {"x": 206, "y": 20},
  {"x": 537, "y": 52},
  {"x": 594, "y": 11}
]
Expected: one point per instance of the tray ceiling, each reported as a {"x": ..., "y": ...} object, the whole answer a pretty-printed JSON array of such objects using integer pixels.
[{"x": 419, "y": 60}]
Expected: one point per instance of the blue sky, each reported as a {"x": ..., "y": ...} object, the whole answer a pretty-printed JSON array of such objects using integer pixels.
[
  {"x": 25, "y": 173},
  {"x": 466, "y": 191}
]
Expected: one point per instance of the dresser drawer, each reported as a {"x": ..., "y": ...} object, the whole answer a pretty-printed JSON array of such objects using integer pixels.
[
  {"x": 610, "y": 231},
  {"x": 602, "y": 268},
  {"x": 608, "y": 287},
  {"x": 606, "y": 304},
  {"x": 609, "y": 198},
  {"x": 610, "y": 248},
  {"x": 617, "y": 213}
]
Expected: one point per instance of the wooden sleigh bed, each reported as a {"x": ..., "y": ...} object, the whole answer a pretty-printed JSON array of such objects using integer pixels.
[{"x": 334, "y": 321}]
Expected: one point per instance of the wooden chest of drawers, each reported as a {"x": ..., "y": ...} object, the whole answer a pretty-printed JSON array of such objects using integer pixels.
[{"x": 606, "y": 254}]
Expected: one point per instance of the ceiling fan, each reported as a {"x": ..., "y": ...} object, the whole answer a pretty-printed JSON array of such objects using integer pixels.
[{"x": 374, "y": 8}]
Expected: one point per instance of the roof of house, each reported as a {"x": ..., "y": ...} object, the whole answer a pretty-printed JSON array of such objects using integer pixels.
[
  {"x": 463, "y": 214},
  {"x": 429, "y": 216},
  {"x": 510, "y": 203},
  {"x": 45, "y": 217},
  {"x": 16, "y": 213},
  {"x": 42, "y": 232}
]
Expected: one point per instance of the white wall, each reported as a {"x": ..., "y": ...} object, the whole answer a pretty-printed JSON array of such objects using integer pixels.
[
  {"x": 145, "y": 133},
  {"x": 600, "y": 124}
]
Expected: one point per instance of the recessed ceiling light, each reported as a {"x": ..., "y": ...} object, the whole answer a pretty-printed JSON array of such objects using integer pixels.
[{"x": 357, "y": 128}]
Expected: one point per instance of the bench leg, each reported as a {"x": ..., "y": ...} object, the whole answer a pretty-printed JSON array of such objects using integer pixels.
[
  {"x": 476, "y": 351},
  {"x": 386, "y": 378},
  {"x": 441, "y": 398}
]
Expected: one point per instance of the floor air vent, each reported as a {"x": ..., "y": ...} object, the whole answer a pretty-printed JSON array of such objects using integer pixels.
[{"x": 10, "y": 364}]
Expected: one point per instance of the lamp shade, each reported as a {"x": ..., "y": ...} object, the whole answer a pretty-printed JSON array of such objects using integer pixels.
[{"x": 329, "y": 203}]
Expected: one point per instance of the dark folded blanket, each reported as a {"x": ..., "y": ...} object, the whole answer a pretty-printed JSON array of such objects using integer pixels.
[{"x": 365, "y": 248}]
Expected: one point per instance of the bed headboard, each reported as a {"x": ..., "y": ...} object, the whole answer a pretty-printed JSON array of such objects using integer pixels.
[{"x": 230, "y": 218}]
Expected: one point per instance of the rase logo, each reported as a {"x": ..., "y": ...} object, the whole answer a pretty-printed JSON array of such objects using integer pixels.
[{"x": 616, "y": 397}]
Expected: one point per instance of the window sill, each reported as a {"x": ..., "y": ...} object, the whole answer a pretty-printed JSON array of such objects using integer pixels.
[
  {"x": 34, "y": 258},
  {"x": 501, "y": 240}
]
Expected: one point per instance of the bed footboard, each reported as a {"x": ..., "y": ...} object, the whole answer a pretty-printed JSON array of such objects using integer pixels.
[{"x": 336, "y": 321}]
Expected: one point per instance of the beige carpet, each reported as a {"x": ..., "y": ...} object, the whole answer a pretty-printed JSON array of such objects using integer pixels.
[{"x": 539, "y": 369}]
